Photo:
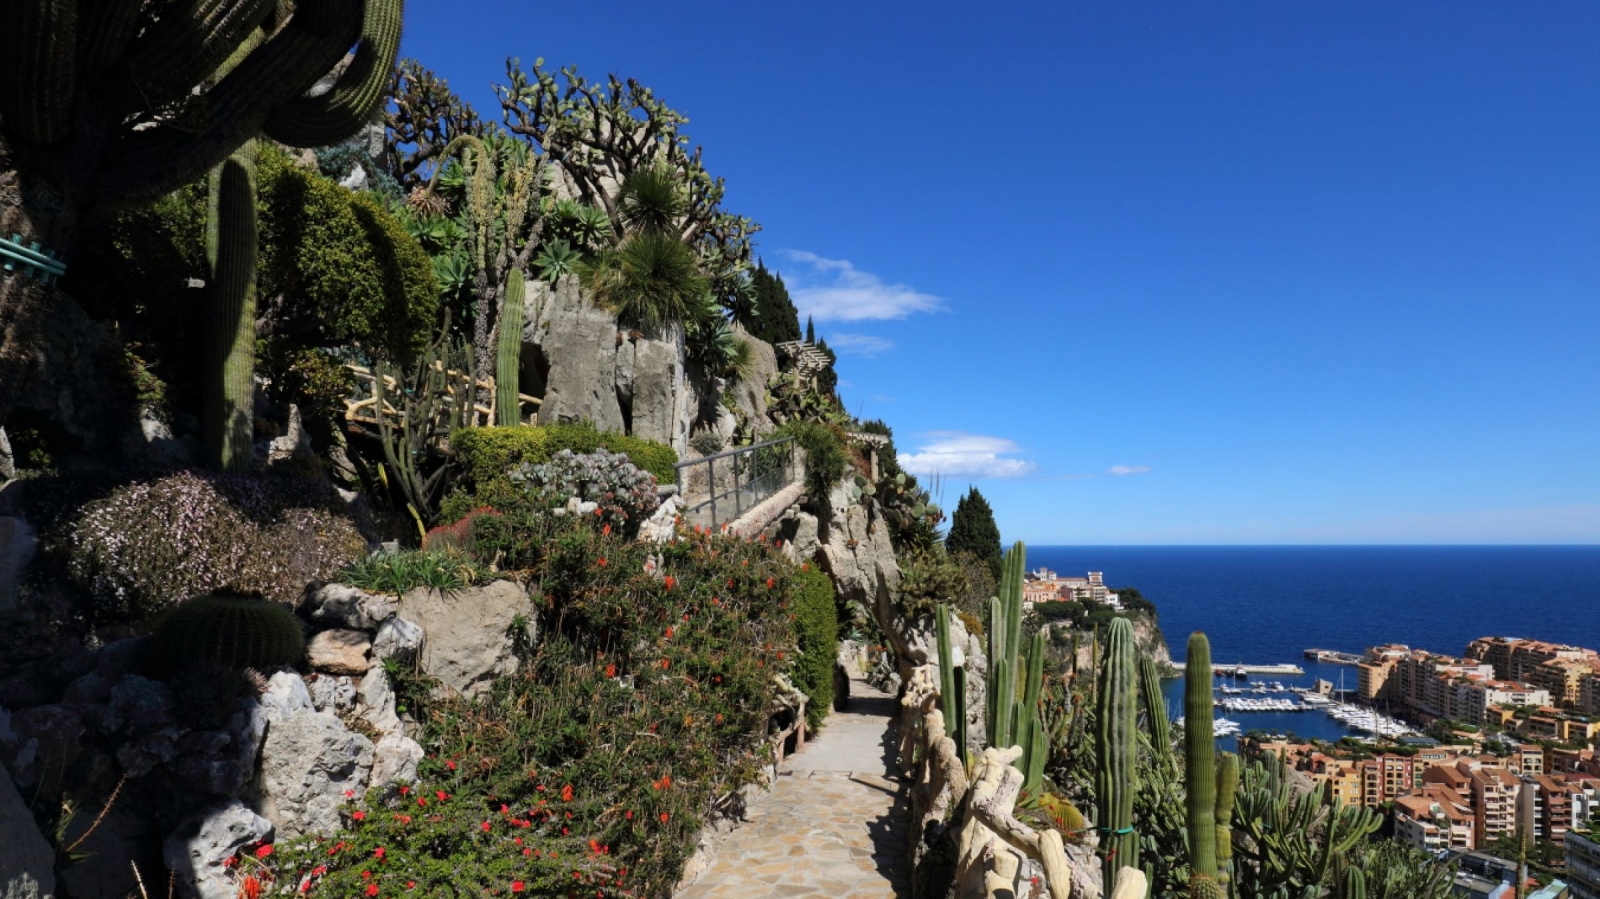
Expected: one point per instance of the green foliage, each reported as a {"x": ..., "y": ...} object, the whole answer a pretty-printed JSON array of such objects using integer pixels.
[
  {"x": 1116, "y": 717},
  {"x": 1353, "y": 885},
  {"x": 340, "y": 268},
  {"x": 646, "y": 702},
  {"x": 1394, "y": 870},
  {"x": 487, "y": 455},
  {"x": 928, "y": 579},
  {"x": 649, "y": 281},
  {"x": 1202, "y": 887},
  {"x": 508, "y": 353},
  {"x": 1291, "y": 841},
  {"x": 817, "y": 630},
  {"x": 771, "y": 315},
  {"x": 1015, "y": 720},
  {"x": 973, "y": 530},
  {"x": 1132, "y": 600},
  {"x": 395, "y": 573},
  {"x": 826, "y": 458},
  {"x": 149, "y": 544},
  {"x": 231, "y": 632},
  {"x": 952, "y": 693}
]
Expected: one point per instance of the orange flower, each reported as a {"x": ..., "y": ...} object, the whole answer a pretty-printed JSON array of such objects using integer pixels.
[
  {"x": 605, "y": 531},
  {"x": 566, "y": 793},
  {"x": 664, "y": 817},
  {"x": 669, "y": 632},
  {"x": 771, "y": 583},
  {"x": 611, "y": 671},
  {"x": 601, "y": 562},
  {"x": 665, "y": 664},
  {"x": 670, "y": 581},
  {"x": 251, "y": 888}
]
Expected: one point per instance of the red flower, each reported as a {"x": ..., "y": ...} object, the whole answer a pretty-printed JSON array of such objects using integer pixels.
[
  {"x": 664, "y": 817},
  {"x": 669, "y": 632},
  {"x": 670, "y": 582},
  {"x": 366, "y": 875},
  {"x": 251, "y": 888},
  {"x": 566, "y": 793},
  {"x": 372, "y": 889},
  {"x": 404, "y": 790},
  {"x": 450, "y": 764},
  {"x": 665, "y": 664},
  {"x": 422, "y": 801},
  {"x": 441, "y": 794},
  {"x": 527, "y": 851},
  {"x": 605, "y": 531},
  {"x": 629, "y": 815},
  {"x": 611, "y": 671},
  {"x": 411, "y": 884},
  {"x": 378, "y": 853},
  {"x": 264, "y": 851},
  {"x": 486, "y": 827},
  {"x": 349, "y": 793},
  {"x": 600, "y": 563},
  {"x": 358, "y": 815},
  {"x": 517, "y": 886},
  {"x": 232, "y": 860},
  {"x": 771, "y": 583}
]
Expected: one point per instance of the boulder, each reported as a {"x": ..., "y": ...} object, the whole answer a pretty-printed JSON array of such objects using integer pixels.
[
  {"x": 466, "y": 641},
  {"x": 196, "y": 850},
  {"x": 307, "y": 762},
  {"x": 332, "y": 693},
  {"x": 39, "y": 741},
  {"x": 397, "y": 639},
  {"x": 344, "y": 606},
  {"x": 140, "y": 754},
  {"x": 27, "y": 863},
  {"x": 286, "y": 695},
  {"x": 138, "y": 704},
  {"x": 122, "y": 837},
  {"x": 339, "y": 651},
  {"x": 395, "y": 760},
  {"x": 377, "y": 702}
]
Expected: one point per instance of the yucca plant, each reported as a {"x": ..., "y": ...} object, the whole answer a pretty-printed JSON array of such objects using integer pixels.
[
  {"x": 653, "y": 201},
  {"x": 650, "y": 280}
]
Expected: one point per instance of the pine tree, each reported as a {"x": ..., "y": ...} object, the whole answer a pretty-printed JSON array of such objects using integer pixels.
[
  {"x": 775, "y": 320},
  {"x": 972, "y": 529}
]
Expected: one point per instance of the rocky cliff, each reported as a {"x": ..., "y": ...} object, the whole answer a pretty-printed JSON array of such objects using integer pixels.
[{"x": 1147, "y": 639}]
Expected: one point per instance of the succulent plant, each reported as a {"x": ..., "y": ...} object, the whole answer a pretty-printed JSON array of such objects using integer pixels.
[
  {"x": 508, "y": 354},
  {"x": 228, "y": 631},
  {"x": 1116, "y": 717}
]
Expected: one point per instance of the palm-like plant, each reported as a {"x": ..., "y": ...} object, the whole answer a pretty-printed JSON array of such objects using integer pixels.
[
  {"x": 650, "y": 280},
  {"x": 653, "y": 200}
]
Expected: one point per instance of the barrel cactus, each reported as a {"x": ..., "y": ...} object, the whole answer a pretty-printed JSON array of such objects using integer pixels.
[{"x": 226, "y": 631}]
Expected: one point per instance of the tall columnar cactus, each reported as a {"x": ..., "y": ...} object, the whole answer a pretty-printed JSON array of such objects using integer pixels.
[
  {"x": 508, "y": 353},
  {"x": 1155, "y": 706},
  {"x": 101, "y": 103},
  {"x": 952, "y": 689},
  {"x": 1116, "y": 717},
  {"x": 1013, "y": 720},
  {"x": 230, "y": 348},
  {"x": 1355, "y": 884},
  {"x": 1292, "y": 841},
  {"x": 1205, "y": 888},
  {"x": 1227, "y": 790},
  {"x": 1200, "y": 758}
]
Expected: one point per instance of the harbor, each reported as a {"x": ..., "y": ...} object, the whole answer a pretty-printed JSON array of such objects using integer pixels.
[
  {"x": 1333, "y": 657},
  {"x": 1243, "y": 671},
  {"x": 1275, "y": 698}
]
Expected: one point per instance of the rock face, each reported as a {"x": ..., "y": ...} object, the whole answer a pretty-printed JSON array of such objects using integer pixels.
[
  {"x": 1147, "y": 639},
  {"x": 17, "y": 544},
  {"x": 854, "y": 548},
  {"x": 339, "y": 651},
  {"x": 344, "y": 606},
  {"x": 307, "y": 762},
  {"x": 27, "y": 863},
  {"x": 586, "y": 368},
  {"x": 467, "y": 632},
  {"x": 397, "y": 639},
  {"x": 196, "y": 850}
]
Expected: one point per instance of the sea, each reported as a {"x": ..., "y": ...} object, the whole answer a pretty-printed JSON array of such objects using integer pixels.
[{"x": 1268, "y": 604}]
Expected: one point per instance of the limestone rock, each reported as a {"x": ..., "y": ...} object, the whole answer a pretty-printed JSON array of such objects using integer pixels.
[
  {"x": 195, "y": 851},
  {"x": 307, "y": 762},
  {"x": 339, "y": 651},
  {"x": 286, "y": 695},
  {"x": 397, "y": 639},
  {"x": 377, "y": 702},
  {"x": 332, "y": 693},
  {"x": 344, "y": 606},
  {"x": 27, "y": 863},
  {"x": 395, "y": 760},
  {"x": 138, "y": 703},
  {"x": 466, "y": 639},
  {"x": 662, "y": 525}
]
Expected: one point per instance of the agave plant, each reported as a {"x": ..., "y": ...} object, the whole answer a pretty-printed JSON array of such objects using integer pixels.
[
  {"x": 653, "y": 201},
  {"x": 557, "y": 258}
]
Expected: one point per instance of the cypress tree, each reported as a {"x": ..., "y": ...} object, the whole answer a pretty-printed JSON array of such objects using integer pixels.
[
  {"x": 972, "y": 529},
  {"x": 811, "y": 331},
  {"x": 776, "y": 320}
]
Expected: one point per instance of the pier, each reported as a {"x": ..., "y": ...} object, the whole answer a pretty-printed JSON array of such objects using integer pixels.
[
  {"x": 1227, "y": 670},
  {"x": 1333, "y": 657}
]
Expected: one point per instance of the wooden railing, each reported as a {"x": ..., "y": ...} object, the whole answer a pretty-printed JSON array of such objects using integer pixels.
[{"x": 365, "y": 411}]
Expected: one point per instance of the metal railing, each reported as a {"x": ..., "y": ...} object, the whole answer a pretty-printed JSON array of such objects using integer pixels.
[{"x": 720, "y": 488}]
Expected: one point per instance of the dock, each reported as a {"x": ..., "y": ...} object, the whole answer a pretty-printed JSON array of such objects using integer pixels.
[
  {"x": 1333, "y": 657},
  {"x": 1223, "y": 670}
]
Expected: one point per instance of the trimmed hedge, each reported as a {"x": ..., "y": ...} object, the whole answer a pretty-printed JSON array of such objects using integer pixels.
[
  {"x": 817, "y": 626},
  {"x": 487, "y": 454}
]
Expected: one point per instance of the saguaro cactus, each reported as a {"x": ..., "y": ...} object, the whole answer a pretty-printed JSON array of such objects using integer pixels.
[
  {"x": 1117, "y": 721},
  {"x": 952, "y": 693},
  {"x": 1199, "y": 758},
  {"x": 508, "y": 353},
  {"x": 230, "y": 349},
  {"x": 100, "y": 103}
]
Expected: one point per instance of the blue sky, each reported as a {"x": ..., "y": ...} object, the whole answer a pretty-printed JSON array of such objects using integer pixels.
[{"x": 1146, "y": 272}]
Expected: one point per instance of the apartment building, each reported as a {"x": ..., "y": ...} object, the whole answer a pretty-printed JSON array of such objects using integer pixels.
[
  {"x": 1376, "y": 668},
  {"x": 1494, "y": 802},
  {"x": 1044, "y": 585},
  {"x": 1433, "y": 820},
  {"x": 1342, "y": 775},
  {"x": 1426, "y": 682},
  {"x": 1555, "y": 667},
  {"x": 1583, "y": 865},
  {"x": 1386, "y": 778},
  {"x": 1589, "y": 694},
  {"x": 1451, "y": 777},
  {"x": 1473, "y": 699}
]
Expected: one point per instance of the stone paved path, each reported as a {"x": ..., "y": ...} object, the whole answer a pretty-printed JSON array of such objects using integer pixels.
[{"x": 833, "y": 825}]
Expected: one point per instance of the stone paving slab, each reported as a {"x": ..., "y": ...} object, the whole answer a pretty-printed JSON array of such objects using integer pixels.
[{"x": 833, "y": 825}]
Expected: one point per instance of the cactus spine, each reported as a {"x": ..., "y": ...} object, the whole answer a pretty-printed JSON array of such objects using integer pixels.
[
  {"x": 1205, "y": 888},
  {"x": 230, "y": 631},
  {"x": 1227, "y": 790},
  {"x": 508, "y": 354},
  {"x": 1117, "y": 720},
  {"x": 952, "y": 689},
  {"x": 1155, "y": 707},
  {"x": 230, "y": 350},
  {"x": 1355, "y": 884},
  {"x": 1200, "y": 758}
]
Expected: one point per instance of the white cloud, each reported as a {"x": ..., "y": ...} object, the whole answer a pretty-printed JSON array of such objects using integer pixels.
[
  {"x": 835, "y": 290},
  {"x": 959, "y": 454},
  {"x": 859, "y": 344},
  {"x": 1120, "y": 470}
]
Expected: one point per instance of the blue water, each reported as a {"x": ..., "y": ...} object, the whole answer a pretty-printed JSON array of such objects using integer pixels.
[{"x": 1267, "y": 604}]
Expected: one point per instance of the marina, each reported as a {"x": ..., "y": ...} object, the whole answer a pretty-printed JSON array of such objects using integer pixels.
[
  {"x": 1333, "y": 657},
  {"x": 1242, "y": 671}
]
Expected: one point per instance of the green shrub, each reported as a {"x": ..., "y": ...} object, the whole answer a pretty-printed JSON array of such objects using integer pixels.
[
  {"x": 593, "y": 768},
  {"x": 395, "y": 573},
  {"x": 817, "y": 620},
  {"x": 150, "y": 544},
  {"x": 489, "y": 454},
  {"x": 928, "y": 578},
  {"x": 826, "y": 458}
]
